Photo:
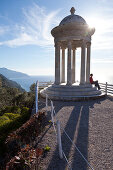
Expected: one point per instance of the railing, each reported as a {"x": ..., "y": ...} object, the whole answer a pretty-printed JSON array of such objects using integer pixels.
[
  {"x": 44, "y": 84},
  {"x": 36, "y": 97},
  {"x": 39, "y": 86},
  {"x": 107, "y": 88},
  {"x": 57, "y": 129}
]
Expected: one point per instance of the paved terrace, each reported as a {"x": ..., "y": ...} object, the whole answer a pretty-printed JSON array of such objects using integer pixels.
[{"x": 90, "y": 125}]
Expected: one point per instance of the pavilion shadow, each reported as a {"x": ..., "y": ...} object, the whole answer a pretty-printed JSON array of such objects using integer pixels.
[
  {"x": 70, "y": 128},
  {"x": 78, "y": 162},
  {"x": 80, "y": 116}
]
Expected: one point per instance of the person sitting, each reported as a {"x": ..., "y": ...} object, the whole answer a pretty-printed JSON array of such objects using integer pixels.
[{"x": 94, "y": 82}]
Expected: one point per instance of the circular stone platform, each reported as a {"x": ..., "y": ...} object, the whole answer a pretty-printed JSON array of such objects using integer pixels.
[{"x": 71, "y": 93}]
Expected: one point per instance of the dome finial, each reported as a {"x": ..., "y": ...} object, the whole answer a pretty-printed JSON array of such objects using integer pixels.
[{"x": 72, "y": 11}]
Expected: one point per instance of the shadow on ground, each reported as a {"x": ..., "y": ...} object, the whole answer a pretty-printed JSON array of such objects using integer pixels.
[{"x": 78, "y": 122}]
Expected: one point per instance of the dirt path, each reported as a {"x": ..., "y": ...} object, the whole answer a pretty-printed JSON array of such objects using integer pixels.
[{"x": 90, "y": 125}]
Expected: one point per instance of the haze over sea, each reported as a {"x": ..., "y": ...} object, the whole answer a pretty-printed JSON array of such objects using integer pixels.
[{"x": 27, "y": 81}]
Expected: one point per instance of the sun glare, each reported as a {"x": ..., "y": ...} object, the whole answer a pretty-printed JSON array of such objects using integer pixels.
[{"x": 96, "y": 23}]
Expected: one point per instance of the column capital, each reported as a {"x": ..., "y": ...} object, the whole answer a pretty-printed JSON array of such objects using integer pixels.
[
  {"x": 57, "y": 44},
  {"x": 69, "y": 43},
  {"x": 83, "y": 43},
  {"x": 88, "y": 44},
  {"x": 74, "y": 48},
  {"x": 63, "y": 47}
]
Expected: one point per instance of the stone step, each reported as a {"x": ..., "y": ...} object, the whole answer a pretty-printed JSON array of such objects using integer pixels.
[
  {"x": 74, "y": 98},
  {"x": 68, "y": 93},
  {"x": 72, "y": 93},
  {"x": 72, "y": 89}
]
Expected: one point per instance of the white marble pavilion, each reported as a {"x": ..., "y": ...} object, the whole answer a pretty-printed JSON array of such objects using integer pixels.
[{"x": 73, "y": 32}]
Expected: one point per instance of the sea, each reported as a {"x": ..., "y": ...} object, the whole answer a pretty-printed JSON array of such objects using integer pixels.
[{"x": 26, "y": 82}]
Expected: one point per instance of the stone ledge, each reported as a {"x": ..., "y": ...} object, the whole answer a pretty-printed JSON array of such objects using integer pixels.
[
  {"x": 75, "y": 98},
  {"x": 62, "y": 93}
]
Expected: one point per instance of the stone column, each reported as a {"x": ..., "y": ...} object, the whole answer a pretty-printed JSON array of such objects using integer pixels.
[
  {"x": 88, "y": 62},
  {"x": 73, "y": 65},
  {"x": 69, "y": 76},
  {"x": 57, "y": 63},
  {"x": 82, "y": 72},
  {"x": 63, "y": 65}
]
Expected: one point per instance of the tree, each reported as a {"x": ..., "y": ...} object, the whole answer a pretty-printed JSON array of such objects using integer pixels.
[{"x": 32, "y": 88}]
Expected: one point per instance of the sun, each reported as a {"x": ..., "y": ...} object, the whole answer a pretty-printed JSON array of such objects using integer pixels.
[{"x": 96, "y": 23}]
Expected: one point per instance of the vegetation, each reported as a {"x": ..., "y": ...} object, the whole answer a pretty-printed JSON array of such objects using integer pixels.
[
  {"x": 22, "y": 152},
  {"x": 15, "y": 107},
  {"x": 19, "y": 131},
  {"x": 10, "y": 122},
  {"x": 4, "y": 82},
  {"x": 8, "y": 90},
  {"x": 11, "y": 95}
]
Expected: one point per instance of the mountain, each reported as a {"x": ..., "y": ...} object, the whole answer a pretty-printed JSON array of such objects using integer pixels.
[
  {"x": 8, "y": 91},
  {"x": 4, "y": 83},
  {"x": 10, "y": 74}
]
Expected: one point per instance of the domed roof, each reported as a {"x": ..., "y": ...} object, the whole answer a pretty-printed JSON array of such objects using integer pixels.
[
  {"x": 72, "y": 27},
  {"x": 73, "y": 18}
]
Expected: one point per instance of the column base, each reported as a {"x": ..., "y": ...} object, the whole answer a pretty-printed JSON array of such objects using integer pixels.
[
  {"x": 82, "y": 84},
  {"x": 57, "y": 83},
  {"x": 88, "y": 83},
  {"x": 69, "y": 84},
  {"x": 63, "y": 81}
]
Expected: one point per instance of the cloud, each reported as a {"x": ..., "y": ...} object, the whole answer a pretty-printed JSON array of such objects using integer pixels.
[
  {"x": 4, "y": 30},
  {"x": 35, "y": 28},
  {"x": 105, "y": 60},
  {"x": 43, "y": 71},
  {"x": 103, "y": 23},
  {"x": 102, "y": 0},
  {"x": 103, "y": 36},
  {"x": 23, "y": 39}
]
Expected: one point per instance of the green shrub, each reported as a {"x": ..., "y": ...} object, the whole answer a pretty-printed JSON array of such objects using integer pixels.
[
  {"x": 10, "y": 122},
  {"x": 4, "y": 119},
  {"x": 11, "y": 116},
  {"x": 24, "y": 110},
  {"x": 9, "y": 125},
  {"x": 7, "y": 109},
  {"x": 16, "y": 109},
  {"x": 11, "y": 109}
]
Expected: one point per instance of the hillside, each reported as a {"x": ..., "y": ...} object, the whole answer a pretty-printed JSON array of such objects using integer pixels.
[
  {"x": 15, "y": 108},
  {"x": 10, "y": 74},
  {"x": 8, "y": 90},
  {"x": 4, "y": 82}
]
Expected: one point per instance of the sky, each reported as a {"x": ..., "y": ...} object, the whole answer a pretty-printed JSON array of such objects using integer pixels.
[{"x": 26, "y": 43}]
